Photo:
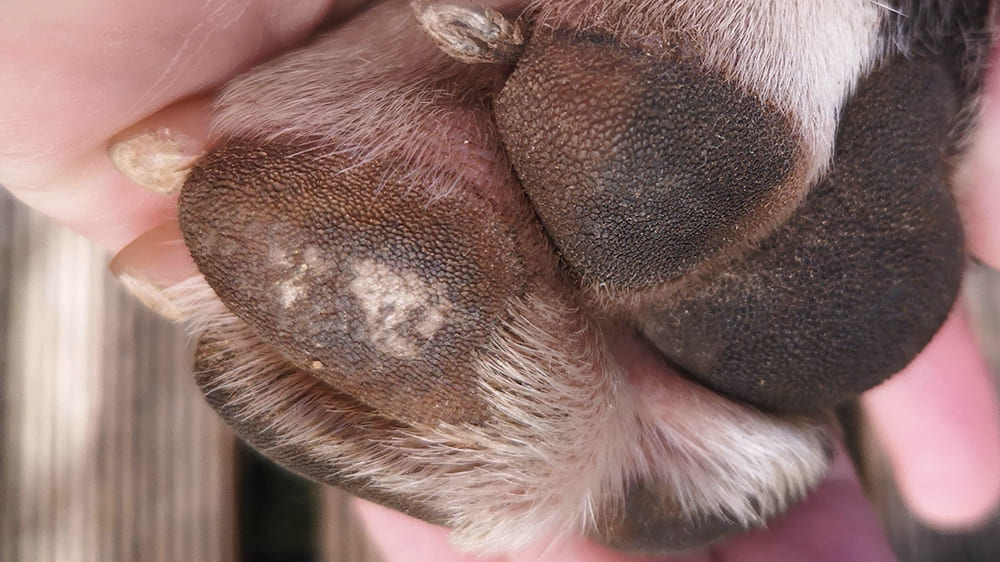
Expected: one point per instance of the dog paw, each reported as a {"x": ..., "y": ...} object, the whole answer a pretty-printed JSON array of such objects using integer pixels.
[{"x": 579, "y": 266}]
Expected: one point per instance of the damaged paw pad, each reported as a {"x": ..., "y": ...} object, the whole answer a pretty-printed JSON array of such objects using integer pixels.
[{"x": 598, "y": 268}]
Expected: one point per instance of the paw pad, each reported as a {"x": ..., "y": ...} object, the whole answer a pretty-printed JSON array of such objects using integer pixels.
[{"x": 603, "y": 274}]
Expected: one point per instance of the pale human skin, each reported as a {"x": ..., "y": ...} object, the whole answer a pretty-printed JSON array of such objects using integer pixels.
[{"x": 76, "y": 74}]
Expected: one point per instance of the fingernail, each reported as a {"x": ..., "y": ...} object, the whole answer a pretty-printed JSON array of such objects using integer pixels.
[
  {"x": 156, "y": 159},
  {"x": 152, "y": 296},
  {"x": 153, "y": 263}
]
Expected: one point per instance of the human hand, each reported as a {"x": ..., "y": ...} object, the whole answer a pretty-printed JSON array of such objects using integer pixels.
[{"x": 87, "y": 73}]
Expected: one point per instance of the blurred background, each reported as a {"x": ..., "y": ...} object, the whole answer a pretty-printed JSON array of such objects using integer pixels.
[{"x": 108, "y": 452}]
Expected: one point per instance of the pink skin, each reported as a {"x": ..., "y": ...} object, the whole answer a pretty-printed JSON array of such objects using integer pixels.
[
  {"x": 77, "y": 73},
  {"x": 836, "y": 524}
]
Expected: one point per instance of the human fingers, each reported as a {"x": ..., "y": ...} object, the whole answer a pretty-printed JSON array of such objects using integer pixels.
[
  {"x": 209, "y": 214},
  {"x": 835, "y": 523},
  {"x": 938, "y": 420},
  {"x": 82, "y": 72},
  {"x": 938, "y": 423}
]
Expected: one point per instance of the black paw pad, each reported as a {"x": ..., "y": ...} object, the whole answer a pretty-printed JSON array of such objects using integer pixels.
[
  {"x": 641, "y": 167},
  {"x": 854, "y": 285}
]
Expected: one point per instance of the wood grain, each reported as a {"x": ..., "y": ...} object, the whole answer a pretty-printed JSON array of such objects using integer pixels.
[{"x": 108, "y": 451}]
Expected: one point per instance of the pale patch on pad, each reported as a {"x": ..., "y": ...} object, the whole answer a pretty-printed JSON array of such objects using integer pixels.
[
  {"x": 296, "y": 285},
  {"x": 402, "y": 310}
]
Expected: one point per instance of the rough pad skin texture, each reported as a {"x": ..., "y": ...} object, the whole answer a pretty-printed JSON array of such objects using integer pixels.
[
  {"x": 356, "y": 281},
  {"x": 855, "y": 283},
  {"x": 641, "y": 168},
  {"x": 611, "y": 288}
]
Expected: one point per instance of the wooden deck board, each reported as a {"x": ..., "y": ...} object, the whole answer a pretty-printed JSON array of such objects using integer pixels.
[{"x": 108, "y": 451}]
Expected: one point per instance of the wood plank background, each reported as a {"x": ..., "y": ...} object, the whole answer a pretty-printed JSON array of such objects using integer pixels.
[{"x": 108, "y": 452}]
